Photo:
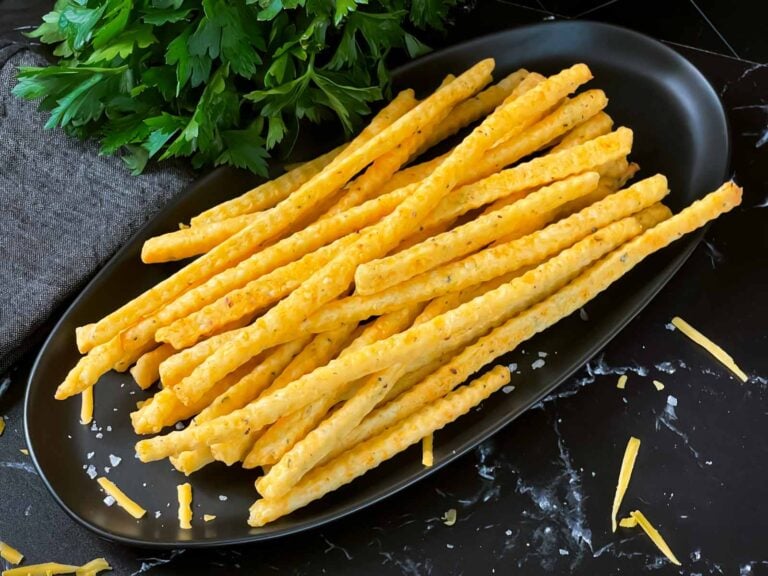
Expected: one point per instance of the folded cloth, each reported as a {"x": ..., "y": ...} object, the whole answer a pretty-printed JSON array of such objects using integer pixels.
[{"x": 64, "y": 210}]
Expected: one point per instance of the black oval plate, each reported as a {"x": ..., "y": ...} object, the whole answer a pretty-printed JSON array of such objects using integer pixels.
[{"x": 680, "y": 130}]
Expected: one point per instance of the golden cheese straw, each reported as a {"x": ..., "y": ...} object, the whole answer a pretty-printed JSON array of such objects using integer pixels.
[
  {"x": 495, "y": 261},
  {"x": 248, "y": 300},
  {"x": 335, "y": 277},
  {"x": 524, "y": 216},
  {"x": 544, "y": 314},
  {"x": 267, "y": 194},
  {"x": 270, "y": 222},
  {"x": 264, "y": 196},
  {"x": 147, "y": 369},
  {"x": 475, "y": 316},
  {"x": 245, "y": 385},
  {"x": 321, "y": 440},
  {"x": 599, "y": 125},
  {"x": 289, "y": 429},
  {"x": 366, "y": 456},
  {"x": 278, "y": 255},
  {"x": 571, "y": 113},
  {"x": 318, "y": 352}
]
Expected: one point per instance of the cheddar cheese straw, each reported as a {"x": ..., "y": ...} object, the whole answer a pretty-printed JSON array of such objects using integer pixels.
[
  {"x": 366, "y": 456},
  {"x": 475, "y": 316},
  {"x": 495, "y": 261},
  {"x": 303, "y": 200},
  {"x": 521, "y": 217}
]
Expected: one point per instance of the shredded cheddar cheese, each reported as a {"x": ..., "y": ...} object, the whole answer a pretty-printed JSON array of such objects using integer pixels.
[
  {"x": 2, "y": 425},
  {"x": 92, "y": 568},
  {"x": 45, "y": 569},
  {"x": 184, "y": 493},
  {"x": 86, "y": 406},
  {"x": 449, "y": 518},
  {"x": 208, "y": 517},
  {"x": 654, "y": 535},
  {"x": 627, "y": 464},
  {"x": 122, "y": 500},
  {"x": 622, "y": 382},
  {"x": 427, "y": 455},
  {"x": 659, "y": 385},
  {"x": 10, "y": 554},
  {"x": 721, "y": 355},
  {"x": 628, "y": 522}
]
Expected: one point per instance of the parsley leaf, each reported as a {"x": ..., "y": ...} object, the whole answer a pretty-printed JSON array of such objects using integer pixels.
[{"x": 218, "y": 81}]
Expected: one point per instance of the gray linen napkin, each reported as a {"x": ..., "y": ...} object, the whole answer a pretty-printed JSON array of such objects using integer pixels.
[{"x": 63, "y": 210}]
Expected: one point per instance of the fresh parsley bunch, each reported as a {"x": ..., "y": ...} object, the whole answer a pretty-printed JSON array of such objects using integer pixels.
[{"x": 220, "y": 81}]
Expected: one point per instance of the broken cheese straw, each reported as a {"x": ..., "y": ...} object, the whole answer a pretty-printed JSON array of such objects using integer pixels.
[
  {"x": 721, "y": 355},
  {"x": 86, "y": 406},
  {"x": 370, "y": 454},
  {"x": 329, "y": 282},
  {"x": 627, "y": 465},
  {"x": 435, "y": 336},
  {"x": 120, "y": 497},
  {"x": 271, "y": 222},
  {"x": 427, "y": 451}
]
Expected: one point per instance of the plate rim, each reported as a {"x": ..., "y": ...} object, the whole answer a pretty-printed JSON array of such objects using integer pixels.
[{"x": 669, "y": 271}]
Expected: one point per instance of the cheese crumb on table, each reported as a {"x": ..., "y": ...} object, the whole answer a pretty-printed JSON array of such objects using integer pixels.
[
  {"x": 622, "y": 382},
  {"x": 659, "y": 385},
  {"x": 208, "y": 517},
  {"x": 721, "y": 355}
]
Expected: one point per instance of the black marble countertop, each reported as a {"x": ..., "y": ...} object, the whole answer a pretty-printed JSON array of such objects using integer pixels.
[{"x": 536, "y": 498}]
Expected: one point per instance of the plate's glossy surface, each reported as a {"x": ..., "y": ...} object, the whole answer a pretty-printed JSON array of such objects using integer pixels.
[{"x": 680, "y": 130}]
